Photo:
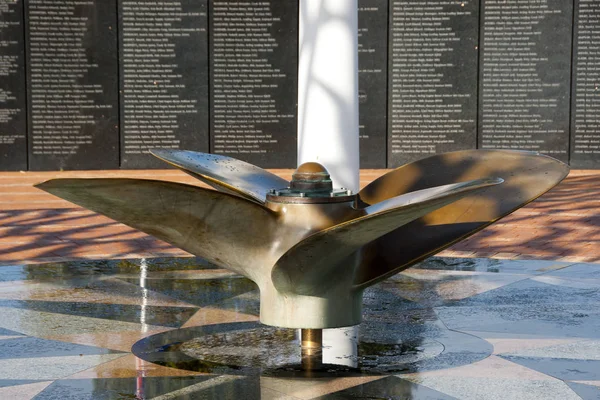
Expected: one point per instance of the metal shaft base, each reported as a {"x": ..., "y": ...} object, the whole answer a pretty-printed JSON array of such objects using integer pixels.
[{"x": 312, "y": 349}]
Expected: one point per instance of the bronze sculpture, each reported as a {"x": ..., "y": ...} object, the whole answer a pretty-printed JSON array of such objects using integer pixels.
[{"x": 310, "y": 248}]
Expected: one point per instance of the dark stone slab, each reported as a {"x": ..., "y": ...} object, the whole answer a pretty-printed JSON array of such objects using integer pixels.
[
  {"x": 525, "y": 76},
  {"x": 27, "y": 346},
  {"x": 585, "y": 115},
  {"x": 254, "y": 79},
  {"x": 147, "y": 388},
  {"x": 562, "y": 368},
  {"x": 72, "y": 72},
  {"x": 164, "y": 78},
  {"x": 390, "y": 387},
  {"x": 201, "y": 292},
  {"x": 585, "y": 391},
  {"x": 16, "y": 382},
  {"x": 13, "y": 117},
  {"x": 528, "y": 307},
  {"x": 432, "y": 88},
  {"x": 372, "y": 82},
  {"x": 173, "y": 317}
]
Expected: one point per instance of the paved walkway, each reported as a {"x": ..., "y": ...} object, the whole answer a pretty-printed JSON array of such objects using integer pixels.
[{"x": 35, "y": 227}]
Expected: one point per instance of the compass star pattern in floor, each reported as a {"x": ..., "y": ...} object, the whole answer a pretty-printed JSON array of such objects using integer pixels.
[{"x": 485, "y": 329}]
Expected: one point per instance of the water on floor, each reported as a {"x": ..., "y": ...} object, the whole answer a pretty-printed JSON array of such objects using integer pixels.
[{"x": 182, "y": 329}]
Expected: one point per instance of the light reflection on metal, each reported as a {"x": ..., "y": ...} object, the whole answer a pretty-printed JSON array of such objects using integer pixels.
[
  {"x": 312, "y": 349},
  {"x": 139, "y": 363},
  {"x": 312, "y": 255}
]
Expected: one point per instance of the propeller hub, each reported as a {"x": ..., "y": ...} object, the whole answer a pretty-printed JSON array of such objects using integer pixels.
[
  {"x": 311, "y": 176},
  {"x": 311, "y": 183}
]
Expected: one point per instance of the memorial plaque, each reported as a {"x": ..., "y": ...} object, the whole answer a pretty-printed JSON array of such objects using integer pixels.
[
  {"x": 525, "y": 76},
  {"x": 585, "y": 116},
  {"x": 372, "y": 82},
  {"x": 72, "y": 71},
  {"x": 254, "y": 79},
  {"x": 432, "y": 94},
  {"x": 164, "y": 78},
  {"x": 13, "y": 118}
]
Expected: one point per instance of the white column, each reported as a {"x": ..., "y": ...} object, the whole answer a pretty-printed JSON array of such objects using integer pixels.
[
  {"x": 328, "y": 115},
  {"x": 328, "y": 88}
]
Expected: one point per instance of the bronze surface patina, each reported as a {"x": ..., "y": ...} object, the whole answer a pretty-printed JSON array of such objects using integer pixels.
[{"x": 312, "y": 249}]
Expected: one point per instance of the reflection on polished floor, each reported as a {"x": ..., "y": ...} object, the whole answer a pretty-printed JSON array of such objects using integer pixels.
[{"x": 447, "y": 328}]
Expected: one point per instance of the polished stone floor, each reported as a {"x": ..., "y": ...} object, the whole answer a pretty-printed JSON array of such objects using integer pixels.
[{"x": 180, "y": 329}]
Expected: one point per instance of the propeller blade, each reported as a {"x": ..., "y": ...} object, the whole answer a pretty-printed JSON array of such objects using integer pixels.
[
  {"x": 225, "y": 174},
  {"x": 526, "y": 175},
  {"x": 226, "y": 230},
  {"x": 310, "y": 267}
]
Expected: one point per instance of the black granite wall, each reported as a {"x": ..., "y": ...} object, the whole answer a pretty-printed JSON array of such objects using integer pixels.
[{"x": 94, "y": 84}]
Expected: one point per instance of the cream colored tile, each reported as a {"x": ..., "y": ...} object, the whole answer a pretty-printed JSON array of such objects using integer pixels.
[
  {"x": 130, "y": 366},
  {"x": 308, "y": 388},
  {"x": 106, "y": 292},
  {"x": 23, "y": 392},
  {"x": 121, "y": 341},
  {"x": 50, "y": 368},
  {"x": 491, "y": 367},
  {"x": 211, "y": 316},
  {"x": 591, "y": 383},
  {"x": 503, "y": 346}
]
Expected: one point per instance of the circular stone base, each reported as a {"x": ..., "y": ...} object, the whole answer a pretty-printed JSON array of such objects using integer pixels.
[
  {"x": 253, "y": 349},
  {"x": 271, "y": 348}
]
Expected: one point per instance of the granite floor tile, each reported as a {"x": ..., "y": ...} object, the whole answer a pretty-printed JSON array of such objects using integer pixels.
[
  {"x": 579, "y": 271},
  {"x": 520, "y": 343},
  {"x": 11, "y": 273},
  {"x": 129, "y": 366},
  {"x": 309, "y": 388},
  {"x": 23, "y": 392},
  {"x": 51, "y": 368},
  {"x": 490, "y": 367},
  {"x": 87, "y": 290},
  {"x": 201, "y": 292},
  {"x": 45, "y": 324},
  {"x": 120, "y": 340},
  {"x": 574, "y": 350},
  {"x": 586, "y": 392},
  {"x": 16, "y": 382},
  {"x": 10, "y": 337},
  {"x": 391, "y": 388},
  {"x": 575, "y": 283},
  {"x": 528, "y": 307},
  {"x": 437, "y": 287},
  {"x": 269, "y": 394},
  {"x": 26, "y": 346},
  {"x": 561, "y": 368},
  {"x": 246, "y": 303},
  {"x": 590, "y": 383},
  {"x": 132, "y": 388},
  {"x": 539, "y": 319},
  {"x": 172, "y": 317},
  {"x": 488, "y": 265},
  {"x": 9, "y": 333},
  {"x": 467, "y": 388},
  {"x": 210, "y": 315}
]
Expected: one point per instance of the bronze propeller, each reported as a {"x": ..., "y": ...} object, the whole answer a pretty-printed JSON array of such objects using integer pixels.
[{"x": 313, "y": 249}]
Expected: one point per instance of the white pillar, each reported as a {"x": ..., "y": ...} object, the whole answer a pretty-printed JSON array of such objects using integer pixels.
[
  {"x": 328, "y": 115},
  {"x": 328, "y": 88}
]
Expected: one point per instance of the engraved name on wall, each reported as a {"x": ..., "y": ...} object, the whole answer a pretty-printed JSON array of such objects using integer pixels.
[
  {"x": 254, "y": 81},
  {"x": 525, "y": 76},
  {"x": 372, "y": 81},
  {"x": 585, "y": 126},
  {"x": 72, "y": 74},
  {"x": 164, "y": 78},
  {"x": 432, "y": 79},
  {"x": 13, "y": 119}
]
